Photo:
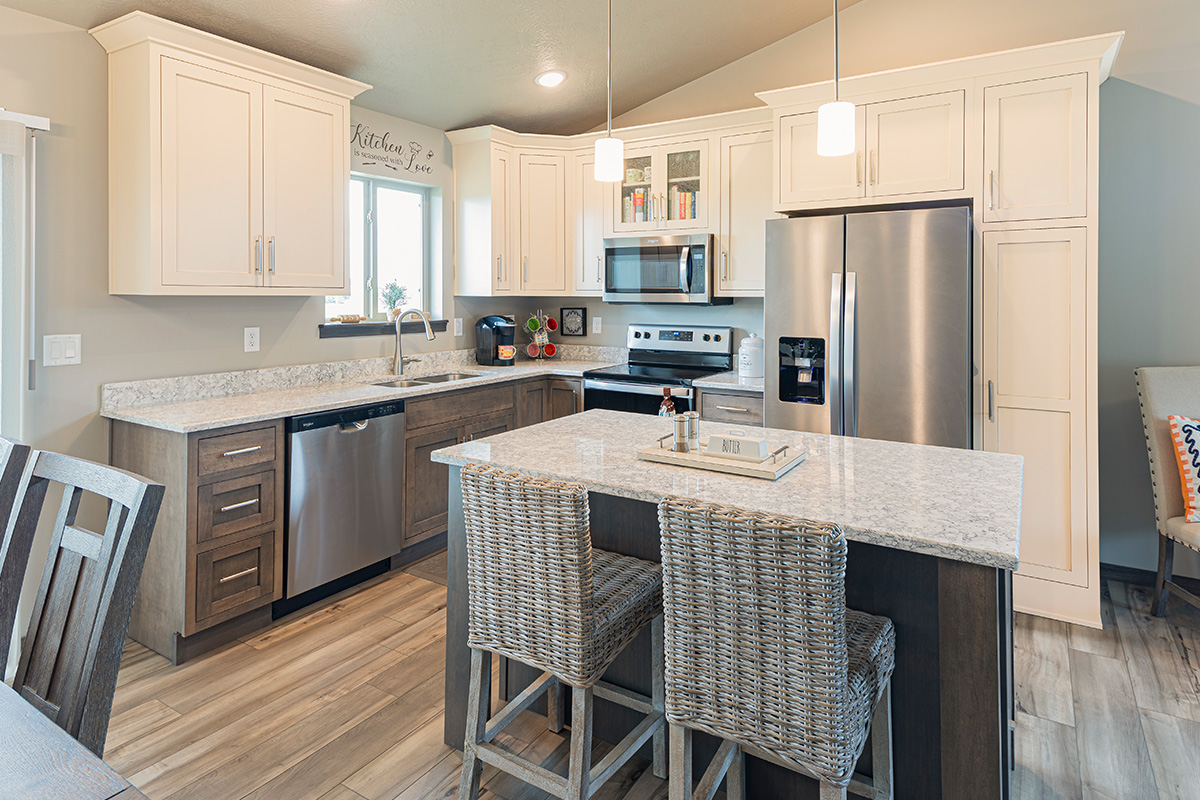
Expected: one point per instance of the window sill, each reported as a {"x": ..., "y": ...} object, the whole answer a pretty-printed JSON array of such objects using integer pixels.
[{"x": 339, "y": 330}]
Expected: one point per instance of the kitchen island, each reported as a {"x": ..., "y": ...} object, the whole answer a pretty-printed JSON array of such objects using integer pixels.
[{"x": 934, "y": 535}]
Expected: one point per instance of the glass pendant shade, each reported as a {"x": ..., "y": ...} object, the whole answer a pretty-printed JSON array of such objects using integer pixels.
[
  {"x": 835, "y": 129},
  {"x": 610, "y": 159}
]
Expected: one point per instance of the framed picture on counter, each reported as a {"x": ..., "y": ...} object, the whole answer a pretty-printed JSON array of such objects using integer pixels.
[{"x": 573, "y": 321}]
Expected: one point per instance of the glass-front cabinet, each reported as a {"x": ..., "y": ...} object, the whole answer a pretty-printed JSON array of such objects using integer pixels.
[{"x": 665, "y": 187}]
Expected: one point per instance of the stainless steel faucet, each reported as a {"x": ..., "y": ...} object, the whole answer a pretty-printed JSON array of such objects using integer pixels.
[{"x": 401, "y": 360}]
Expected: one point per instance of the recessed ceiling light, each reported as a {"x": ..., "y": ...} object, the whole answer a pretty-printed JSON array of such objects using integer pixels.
[{"x": 550, "y": 78}]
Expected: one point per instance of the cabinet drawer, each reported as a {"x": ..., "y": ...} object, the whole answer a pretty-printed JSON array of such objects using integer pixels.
[
  {"x": 746, "y": 409},
  {"x": 442, "y": 408},
  {"x": 238, "y": 575},
  {"x": 231, "y": 451},
  {"x": 238, "y": 504}
]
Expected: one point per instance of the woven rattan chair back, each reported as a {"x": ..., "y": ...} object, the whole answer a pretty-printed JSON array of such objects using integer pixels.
[
  {"x": 756, "y": 646},
  {"x": 14, "y": 542},
  {"x": 68, "y": 667},
  {"x": 529, "y": 572}
]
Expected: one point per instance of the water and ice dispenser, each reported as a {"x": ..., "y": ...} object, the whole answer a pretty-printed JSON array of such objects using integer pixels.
[{"x": 802, "y": 369}]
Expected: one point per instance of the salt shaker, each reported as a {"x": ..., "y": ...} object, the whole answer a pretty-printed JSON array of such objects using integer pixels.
[
  {"x": 679, "y": 443},
  {"x": 693, "y": 418}
]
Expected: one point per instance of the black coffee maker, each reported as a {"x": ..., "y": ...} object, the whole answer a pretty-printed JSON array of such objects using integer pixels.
[{"x": 494, "y": 345}]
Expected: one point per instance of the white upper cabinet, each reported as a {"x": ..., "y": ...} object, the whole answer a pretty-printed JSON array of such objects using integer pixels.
[
  {"x": 915, "y": 145},
  {"x": 745, "y": 207},
  {"x": 503, "y": 189},
  {"x": 1035, "y": 149},
  {"x": 588, "y": 242},
  {"x": 543, "y": 200},
  {"x": 806, "y": 178},
  {"x": 228, "y": 166},
  {"x": 665, "y": 187}
]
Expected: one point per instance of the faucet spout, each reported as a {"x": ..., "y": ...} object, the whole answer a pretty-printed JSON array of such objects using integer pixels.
[{"x": 401, "y": 360}]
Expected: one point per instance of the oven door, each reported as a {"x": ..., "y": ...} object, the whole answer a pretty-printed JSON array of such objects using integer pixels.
[
  {"x": 638, "y": 398},
  {"x": 658, "y": 269}
]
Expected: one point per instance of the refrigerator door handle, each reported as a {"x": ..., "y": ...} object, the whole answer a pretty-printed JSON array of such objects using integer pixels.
[
  {"x": 833, "y": 360},
  {"x": 850, "y": 380}
]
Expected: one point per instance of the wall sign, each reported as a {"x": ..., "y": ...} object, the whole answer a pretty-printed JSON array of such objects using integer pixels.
[{"x": 396, "y": 148}]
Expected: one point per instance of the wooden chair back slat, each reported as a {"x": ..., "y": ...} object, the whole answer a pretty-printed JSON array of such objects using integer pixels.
[
  {"x": 14, "y": 541},
  {"x": 72, "y": 649}
]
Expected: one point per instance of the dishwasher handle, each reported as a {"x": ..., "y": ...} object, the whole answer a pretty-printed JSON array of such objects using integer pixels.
[{"x": 353, "y": 427}]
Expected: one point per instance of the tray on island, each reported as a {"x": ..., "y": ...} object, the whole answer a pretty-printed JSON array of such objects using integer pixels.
[{"x": 770, "y": 468}]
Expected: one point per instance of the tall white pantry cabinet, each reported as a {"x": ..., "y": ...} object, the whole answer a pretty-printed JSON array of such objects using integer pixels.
[
  {"x": 228, "y": 166},
  {"x": 1014, "y": 134}
]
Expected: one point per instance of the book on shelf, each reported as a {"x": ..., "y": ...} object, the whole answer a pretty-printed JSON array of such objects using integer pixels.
[
  {"x": 627, "y": 209},
  {"x": 639, "y": 205}
]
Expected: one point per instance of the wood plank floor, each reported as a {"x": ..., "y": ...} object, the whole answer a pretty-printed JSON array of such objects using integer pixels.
[{"x": 343, "y": 702}]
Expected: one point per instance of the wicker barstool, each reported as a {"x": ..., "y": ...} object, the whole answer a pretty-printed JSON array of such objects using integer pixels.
[
  {"x": 540, "y": 594},
  {"x": 762, "y": 651}
]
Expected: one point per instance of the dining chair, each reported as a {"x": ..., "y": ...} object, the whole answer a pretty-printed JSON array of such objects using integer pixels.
[
  {"x": 14, "y": 544},
  {"x": 72, "y": 649}
]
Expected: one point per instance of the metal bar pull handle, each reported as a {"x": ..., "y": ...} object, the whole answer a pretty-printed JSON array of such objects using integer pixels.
[
  {"x": 526, "y": 268},
  {"x": 725, "y": 264},
  {"x": 991, "y": 190},
  {"x": 242, "y": 504},
  {"x": 258, "y": 255},
  {"x": 991, "y": 401},
  {"x": 834, "y": 358},
  {"x": 858, "y": 168},
  {"x": 874, "y": 168},
  {"x": 499, "y": 267},
  {"x": 271, "y": 253},
  {"x": 355, "y": 427},
  {"x": 237, "y": 575},
  {"x": 241, "y": 452},
  {"x": 734, "y": 409},
  {"x": 850, "y": 380}
]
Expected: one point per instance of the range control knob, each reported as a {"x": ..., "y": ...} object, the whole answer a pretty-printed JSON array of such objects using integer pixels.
[
  {"x": 637, "y": 335},
  {"x": 717, "y": 337},
  {"x": 707, "y": 337},
  {"x": 645, "y": 334}
]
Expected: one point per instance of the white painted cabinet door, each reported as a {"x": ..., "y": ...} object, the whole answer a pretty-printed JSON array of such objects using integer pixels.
[
  {"x": 588, "y": 246},
  {"x": 915, "y": 145},
  {"x": 1035, "y": 353},
  {"x": 212, "y": 168},
  {"x": 503, "y": 201},
  {"x": 745, "y": 207},
  {"x": 543, "y": 201},
  {"x": 804, "y": 176},
  {"x": 304, "y": 190},
  {"x": 1035, "y": 149}
]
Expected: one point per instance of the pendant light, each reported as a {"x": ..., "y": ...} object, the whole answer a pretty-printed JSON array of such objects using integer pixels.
[
  {"x": 835, "y": 121},
  {"x": 610, "y": 152}
]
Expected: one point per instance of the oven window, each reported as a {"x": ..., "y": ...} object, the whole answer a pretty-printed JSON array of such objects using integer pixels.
[
  {"x": 644, "y": 270},
  {"x": 626, "y": 401}
]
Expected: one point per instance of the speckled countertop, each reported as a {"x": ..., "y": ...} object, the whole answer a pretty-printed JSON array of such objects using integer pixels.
[
  {"x": 187, "y": 416},
  {"x": 730, "y": 382},
  {"x": 963, "y": 505}
]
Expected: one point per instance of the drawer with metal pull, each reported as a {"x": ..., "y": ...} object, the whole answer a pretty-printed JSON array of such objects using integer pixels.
[
  {"x": 230, "y": 451},
  {"x": 228, "y": 507},
  {"x": 744, "y": 409},
  {"x": 237, "y": 576}
]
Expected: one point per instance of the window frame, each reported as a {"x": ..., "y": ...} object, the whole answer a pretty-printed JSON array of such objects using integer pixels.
[{"x": 370, "y": 266}]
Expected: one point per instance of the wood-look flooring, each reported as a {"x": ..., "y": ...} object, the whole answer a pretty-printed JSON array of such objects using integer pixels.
[{"x": 343, "y": 702}]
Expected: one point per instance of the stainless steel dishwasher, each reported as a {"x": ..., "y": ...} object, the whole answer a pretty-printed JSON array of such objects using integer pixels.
[{"x": 345, "y": 483}]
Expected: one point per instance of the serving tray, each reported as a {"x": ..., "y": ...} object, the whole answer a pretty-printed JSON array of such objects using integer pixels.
[{"x": 770, "y": 468}]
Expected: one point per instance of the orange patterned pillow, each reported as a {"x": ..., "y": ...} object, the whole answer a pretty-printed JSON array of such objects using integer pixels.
[{"x": 1186, "y": 433}]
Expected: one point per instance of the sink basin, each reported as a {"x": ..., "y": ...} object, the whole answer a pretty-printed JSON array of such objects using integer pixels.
[
  {"x": 398, "y": 383},
  {"x": 447, "y": 376}
]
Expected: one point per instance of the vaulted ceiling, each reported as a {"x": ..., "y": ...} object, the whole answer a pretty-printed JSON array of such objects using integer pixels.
[{"x": 455, "y": 63}]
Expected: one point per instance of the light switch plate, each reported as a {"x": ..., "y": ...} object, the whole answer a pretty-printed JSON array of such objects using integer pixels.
[
  {"x": 458, "y": 326},
  {"x": 250, "y": 337},
  {"x": 595, "y": 324},
  {"x": 62, "y": 349}
]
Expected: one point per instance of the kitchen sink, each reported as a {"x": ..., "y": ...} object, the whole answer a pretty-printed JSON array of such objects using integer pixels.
[
  {"x": 447, "y": 377},
  {"x": 399, "y": 383}
]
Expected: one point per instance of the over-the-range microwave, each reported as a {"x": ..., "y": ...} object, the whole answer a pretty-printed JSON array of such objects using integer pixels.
[{"x": 660, "y": 269}]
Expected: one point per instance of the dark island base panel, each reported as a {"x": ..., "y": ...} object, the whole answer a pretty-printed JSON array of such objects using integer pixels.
[{"x": 951, "y": 692}]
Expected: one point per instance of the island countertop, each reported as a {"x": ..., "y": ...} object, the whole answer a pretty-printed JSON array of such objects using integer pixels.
[{"x": 963, "y": 505}]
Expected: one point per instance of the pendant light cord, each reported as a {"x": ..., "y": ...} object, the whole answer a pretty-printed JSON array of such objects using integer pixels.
[
  {"x": 609, "y": 58},
  {"x": 837, "y": 55}
]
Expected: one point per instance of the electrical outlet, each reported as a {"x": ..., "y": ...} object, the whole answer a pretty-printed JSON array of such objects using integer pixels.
[
  {"x": 595, "y": 324},
  {"x": 250, "y": 338},
  {"x": 62, "y": 350},
  {"x": 458, "y": 326}
]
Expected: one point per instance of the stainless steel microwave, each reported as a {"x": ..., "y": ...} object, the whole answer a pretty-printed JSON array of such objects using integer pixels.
[{"x": 660, "y": 269}]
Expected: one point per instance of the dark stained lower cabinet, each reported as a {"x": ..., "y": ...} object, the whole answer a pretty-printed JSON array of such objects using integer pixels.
[
  {"x": 564, "y": 396},
  {"x": 531, "y": 402},
  {"x": 425, "y": 482}
]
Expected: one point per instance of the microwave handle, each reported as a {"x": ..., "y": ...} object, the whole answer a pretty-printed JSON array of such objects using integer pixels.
[{"x": 685, "y": 269}]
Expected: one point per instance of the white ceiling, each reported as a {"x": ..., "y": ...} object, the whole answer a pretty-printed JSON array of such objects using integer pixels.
[{"x": 456, "y": 63}]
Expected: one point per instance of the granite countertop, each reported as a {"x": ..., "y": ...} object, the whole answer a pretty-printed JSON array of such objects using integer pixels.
[
  {"x": 188, "y": 416},
  {"x": 730, "y": 382},
  {"x": 963, "y": 505}
]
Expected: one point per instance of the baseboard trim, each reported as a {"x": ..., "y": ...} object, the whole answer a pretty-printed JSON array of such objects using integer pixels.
[{"x": 1144, "y": 577}]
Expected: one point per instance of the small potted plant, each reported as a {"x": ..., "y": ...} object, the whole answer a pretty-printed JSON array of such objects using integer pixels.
[{"x": 393, "y": 296}]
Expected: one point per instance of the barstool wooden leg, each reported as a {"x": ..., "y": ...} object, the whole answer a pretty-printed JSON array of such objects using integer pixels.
[
  {"x": 735, "y": 778},
  {"x": 555, "y": 708},
  {"x": 831, "y": 792},
  {"x": 579, "y": 772},
  {"x": 658, "y": 695},
  {"x": 881, "y": 745},
  {"x": 680, "y": 785},
  {"x": 477, "y": 712}
]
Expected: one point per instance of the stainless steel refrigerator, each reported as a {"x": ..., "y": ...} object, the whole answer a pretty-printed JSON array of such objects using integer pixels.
[{"x": 868, "y": 325}]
